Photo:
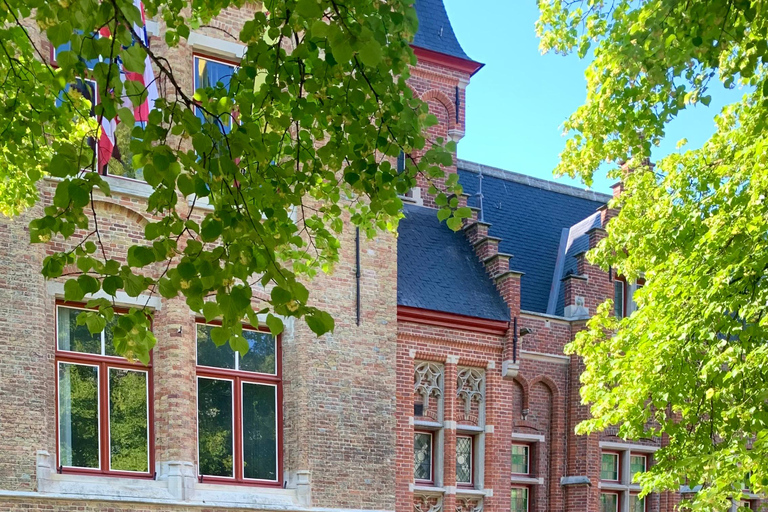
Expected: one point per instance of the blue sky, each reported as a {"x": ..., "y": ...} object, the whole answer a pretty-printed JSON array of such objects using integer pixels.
[{"x": 517, "y": 103}]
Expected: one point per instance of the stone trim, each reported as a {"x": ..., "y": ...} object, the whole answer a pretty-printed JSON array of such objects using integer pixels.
[
  {"x": 575, "y": 480},
  {"x": 529, "y": 438},
  {"x": 216, "y": 47},
  {"x": 635, "y": 448},
  {"x": 449, "y": 341},
  {"x": 527, "y": 480},
  {"x": 544, "y": 357},
  {"x": 56, "y": 288},
  {"x": 534, "y": 314}
]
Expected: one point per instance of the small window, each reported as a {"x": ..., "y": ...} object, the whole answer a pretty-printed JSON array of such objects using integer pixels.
[
  {"x": 520, "y": 459},
  {"x": 238, "y": 409},
  {"x": 211, "y": 72},
  {"x": 618, "y": 298},
  {"x": 637, "y": 464},
  {"x": 609, "y": 502},
  {"x": 464, "y": 463},
  {"x": 103, "y": 402},
  {"x": 422, "y": 456},
  {"x": 519, "y": 499},
  {"x": 609, "y": 467},
  {"x": 636, "y": 503}
]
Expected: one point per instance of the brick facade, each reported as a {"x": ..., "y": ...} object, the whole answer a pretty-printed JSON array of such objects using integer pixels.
[{"x": 348, "y": 404}]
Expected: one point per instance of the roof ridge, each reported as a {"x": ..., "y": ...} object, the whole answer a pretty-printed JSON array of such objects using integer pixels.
[{"x": 552, "y": 186}]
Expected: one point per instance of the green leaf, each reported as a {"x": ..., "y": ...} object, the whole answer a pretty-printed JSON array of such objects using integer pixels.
[
  {"x": 111, "y": 284},
  {"x": 72, "y": 291},
  {"x": 275, "y": 324},
  {"x": 280, "y": 296},
  {"x": 211, "y": 311},
  {"x": 370, "y": 53},
  {"x": 220, "y": 335},
  {"x": 320, "y": 322},
  {"x": 140, "y": 256}
]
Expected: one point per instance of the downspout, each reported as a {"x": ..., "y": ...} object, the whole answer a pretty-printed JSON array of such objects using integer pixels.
[{"x": 357, "y": 270}]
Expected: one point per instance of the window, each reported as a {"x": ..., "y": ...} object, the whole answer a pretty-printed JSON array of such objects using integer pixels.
[
  {"x": 238, "y": 409},
  {"x": 636, "y": 503},
  {"x": 519, "y": 499},
  {"x": 609, "y": 467},
  {"x": 422, "y": 456},
  {"x": 464, "y": 456},
  {"x": 609, "y": 502},
  {"x": 211, "y": 72},
  {"x": 520, "y": 459},
  {"x": 637, "y": 464},
  {"x": 104, "y": 407},
  {"x": 618, "y": 298}
]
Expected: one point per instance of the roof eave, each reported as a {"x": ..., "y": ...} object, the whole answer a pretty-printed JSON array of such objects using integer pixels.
[{"x": 450, "y": 61}]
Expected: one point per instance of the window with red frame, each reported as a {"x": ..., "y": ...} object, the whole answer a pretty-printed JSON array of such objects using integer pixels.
[
  {"x": 104, "y": 407},
  {"x": 521, "y": 459},
  {"x": 520, "y": 499},
  {"x": 423, "y": 447},
  {"x": 465, "y": 452},
  {"x": 238, "y": 409},
  {"x": 610, "y": 467},
  {"x": 609, "y": 502},
  {"x": 636, "y": 503}
]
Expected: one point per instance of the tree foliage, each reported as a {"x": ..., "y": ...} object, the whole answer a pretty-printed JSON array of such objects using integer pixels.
[
  {"x": 691, "y": 363},
  {"x": 318, "y": 108}
]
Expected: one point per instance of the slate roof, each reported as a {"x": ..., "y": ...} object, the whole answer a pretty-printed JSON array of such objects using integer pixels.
[
  {"x": 437, "y": 269},
  {"x": 435, "y": 31},
  {"x": 573, "y": 241},
  {"x": 529, "y": 216}
]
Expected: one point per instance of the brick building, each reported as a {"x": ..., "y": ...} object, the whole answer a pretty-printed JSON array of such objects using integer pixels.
[{"x": 452, "y": 393}]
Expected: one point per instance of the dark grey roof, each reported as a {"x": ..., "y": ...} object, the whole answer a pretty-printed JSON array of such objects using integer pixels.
[
  {"x": 437, "y": 269},
  {"x": 435, "y": 31},
  {"x": 529, "y": 215}
]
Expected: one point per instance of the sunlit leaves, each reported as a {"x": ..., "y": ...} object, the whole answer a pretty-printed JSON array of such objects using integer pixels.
[{"x": 691, "y": 363}]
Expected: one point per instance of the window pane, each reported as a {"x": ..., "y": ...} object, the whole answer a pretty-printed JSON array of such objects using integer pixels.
[
  {"x": 259, "y": 431},
  {"x": 73, "y": 337},
  {"x": 208, "y": 354},
  {"x": 618, "y": 298},
  {"x": 609, "y": 468},
  {"x": 609, "y": 502},
  {"x": 79, "y": 415},
  {"x": 209, "y": 73},
  {"x": 128, "y": 429},
  {"x": 261, "y": 353},
  {"x": 520, "y": 459},
  {"x": 214, "y": 427},
  {"x": 519, "y": 499},
  {"x": 636, "y": 465},
  {"x": 636, "y": 504},
  {"x": 120, "y": 162},
  {"x": 464, "y": 460},
  {"x": 422, "y": 456}
]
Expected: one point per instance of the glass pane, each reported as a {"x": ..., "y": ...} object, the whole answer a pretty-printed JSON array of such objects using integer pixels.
[
  {"x": 214, "y": 427},
  {"x": 128, "y": 430},
  {"x": 73, "y": 337},
  {"x": 109, "y": 344},
  {"x": 422, "y": 456},
  {"x": 636, "y": 465},
  {"x": 261, "y": 353},
  {"x": 618, "y": 298},
  {"x": 609, "y": 467},
  {"x": 520, "y": 459},
  {"x": 609, "y": 502},
  {"x": 259, "y": 431},
  {"x": 208, "y": 354},
  {"x": 464, "y": 460},
  {"x": 519, "y": 499},
  {"x": 636, "y": 504},
  {"x": 209, "y": 73},
  {"x": 78, "y": 415},
  {"x": 120, "y": 162}
]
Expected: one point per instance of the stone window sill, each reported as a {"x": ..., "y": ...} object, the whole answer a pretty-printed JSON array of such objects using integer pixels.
[{"x": 526, "y": 480}]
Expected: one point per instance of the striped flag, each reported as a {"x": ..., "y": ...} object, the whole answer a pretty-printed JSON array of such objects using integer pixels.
[{"x": 106, "y": 145}]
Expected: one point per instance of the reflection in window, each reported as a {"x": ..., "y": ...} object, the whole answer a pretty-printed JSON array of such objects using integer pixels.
[
  {"x": 519, "y": 499},
  {"x": 609, "y": 467},
  {"x": 214, "y": 427},
  {"x": 214, "y": 73},
  {"x": 464, "y": 460},
  {"x": 520, "y": 459},
  {"x": 91, "y": 374},
  {"x": 609, "y": 502}
]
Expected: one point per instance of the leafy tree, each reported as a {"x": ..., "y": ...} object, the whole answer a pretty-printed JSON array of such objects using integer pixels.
[
  {"x": 691, "y": 363},
  {"x": 321, "y": 109}
]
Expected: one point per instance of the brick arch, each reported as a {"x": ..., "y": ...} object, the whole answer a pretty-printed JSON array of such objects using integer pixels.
[
  {"x": 120, "y": 209},
  {"x": 526, "y": 389},
  {"x": 444, "y": 100},
  {"x": 549, "y": 383}
]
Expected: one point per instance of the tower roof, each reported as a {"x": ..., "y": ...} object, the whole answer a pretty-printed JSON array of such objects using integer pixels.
[{"x": 435, "y": 31}]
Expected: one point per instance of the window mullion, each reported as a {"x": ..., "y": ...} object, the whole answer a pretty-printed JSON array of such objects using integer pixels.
[
  {"x": 104, "y": 463},
  {"x": 237, "y": 419}
]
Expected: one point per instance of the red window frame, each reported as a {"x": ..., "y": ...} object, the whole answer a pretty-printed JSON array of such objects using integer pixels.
[
  {"x": 528, "y": 496},
  {"x": 237, "y": 378},
  {"x": 103, "y": 363},
  {"x": 645, "y": 465},
  {"x": 528, "y": 458},
  {"x": 471, "y": 482},
  {"x": 431, "y": 435},
  {"x": 618, "y": 499},
  {"x": 618, "y": 465},
  {"x": 645, "y": 502}
]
